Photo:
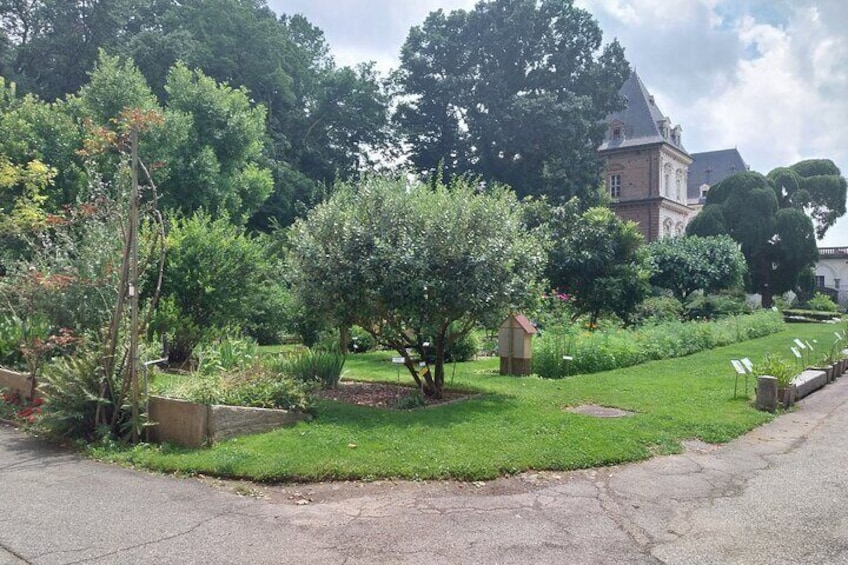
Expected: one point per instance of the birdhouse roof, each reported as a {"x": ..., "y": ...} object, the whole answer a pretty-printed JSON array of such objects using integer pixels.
[{"x": 523, "y": 323}]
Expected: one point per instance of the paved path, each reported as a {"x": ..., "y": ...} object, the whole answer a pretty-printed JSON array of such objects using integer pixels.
[{"x": 777, "y": 495}]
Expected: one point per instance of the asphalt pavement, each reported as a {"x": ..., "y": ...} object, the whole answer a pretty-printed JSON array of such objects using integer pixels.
[{"x": 776, "y": 495}]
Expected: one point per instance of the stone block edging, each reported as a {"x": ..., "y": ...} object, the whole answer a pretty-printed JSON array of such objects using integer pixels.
[{"x": 194, "y": 425}]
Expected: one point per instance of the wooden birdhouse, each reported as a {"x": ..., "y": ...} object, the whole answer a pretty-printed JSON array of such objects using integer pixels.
[{"x": 515, "y": 345}]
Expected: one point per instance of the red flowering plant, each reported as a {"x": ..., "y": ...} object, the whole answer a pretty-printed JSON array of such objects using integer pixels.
[
  {"x": 15, "y": 407},
  {"x": 555, "y": 310}
]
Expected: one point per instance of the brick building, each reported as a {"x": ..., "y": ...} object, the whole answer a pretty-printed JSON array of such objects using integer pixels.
[{"x": 648, "y": 168}]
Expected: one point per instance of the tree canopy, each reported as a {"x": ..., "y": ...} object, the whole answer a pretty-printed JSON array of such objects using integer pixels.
[
  {"x": 321, "y": 121},
  {"x": 598, "y": 260},
  {"x": 686, "y": 264},
  {"x": 779, "y": 244},
  {"x": 815, "y": 186},
  {"x": 414, "y": 263},
  {"x": 514, "y": 91}
]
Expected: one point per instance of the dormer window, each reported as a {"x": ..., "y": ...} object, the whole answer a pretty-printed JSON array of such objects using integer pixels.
[
  {"x": 616, "y": 131},
  {"x": 676, "y": 135}
]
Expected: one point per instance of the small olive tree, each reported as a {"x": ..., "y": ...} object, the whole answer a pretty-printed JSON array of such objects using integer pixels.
[{"x": 412, "y": 262}]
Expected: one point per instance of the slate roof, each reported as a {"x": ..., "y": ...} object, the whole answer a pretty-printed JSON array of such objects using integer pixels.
[
  {"x": 711, "y": 167},
  {"x": 640, "y": 119}
]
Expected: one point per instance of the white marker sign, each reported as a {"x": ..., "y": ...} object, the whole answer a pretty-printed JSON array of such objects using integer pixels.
[
  {"x": 799, "y": 343},
  {"x": 740, "y": 368},
  {"x": 795, "y": 352},
  {"x": 748, "y": 365}
]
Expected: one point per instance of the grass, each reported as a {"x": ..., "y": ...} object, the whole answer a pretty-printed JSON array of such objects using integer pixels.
[{"x": 517, "y": 424}]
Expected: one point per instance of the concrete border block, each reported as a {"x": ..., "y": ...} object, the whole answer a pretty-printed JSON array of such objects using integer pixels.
[{"x": 809, "y": 381}]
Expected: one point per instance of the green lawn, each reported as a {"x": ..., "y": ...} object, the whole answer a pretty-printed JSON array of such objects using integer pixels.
[{"x": 517, "y": 424}]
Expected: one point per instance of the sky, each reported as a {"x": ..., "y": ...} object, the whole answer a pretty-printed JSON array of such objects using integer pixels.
[{"x": 769, "y": 77}]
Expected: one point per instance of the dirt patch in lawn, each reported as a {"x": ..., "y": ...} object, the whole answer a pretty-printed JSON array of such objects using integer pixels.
[
  {"x": 384, "y": 395},
  {"x": 599, "y": 411}
]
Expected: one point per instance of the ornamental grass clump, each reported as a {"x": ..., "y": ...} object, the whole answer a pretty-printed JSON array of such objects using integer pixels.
[{"x": 315, "y": 366}]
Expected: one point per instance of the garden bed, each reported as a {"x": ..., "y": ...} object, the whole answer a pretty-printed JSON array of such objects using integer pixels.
[{"x": 384, "y": 395}]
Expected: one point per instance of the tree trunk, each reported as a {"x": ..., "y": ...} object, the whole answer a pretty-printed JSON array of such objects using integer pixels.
[
  {"x": 439, "y": 381},
  {"x": 765, "y": 288},
  {"x": 344, "y": 338}
]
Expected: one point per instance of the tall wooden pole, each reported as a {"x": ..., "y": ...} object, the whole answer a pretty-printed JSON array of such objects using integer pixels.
[{"x": 133, "y": 286}]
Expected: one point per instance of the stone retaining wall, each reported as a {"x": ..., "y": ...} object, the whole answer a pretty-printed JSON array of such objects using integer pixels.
[
  {"x": 16, "y": 382},
  {"x": 194, "y": 425}
]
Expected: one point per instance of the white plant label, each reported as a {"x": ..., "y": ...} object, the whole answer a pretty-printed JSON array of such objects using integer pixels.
[
  {"x": 795, "y": 352},
  {"x": 740, "y": 368}
]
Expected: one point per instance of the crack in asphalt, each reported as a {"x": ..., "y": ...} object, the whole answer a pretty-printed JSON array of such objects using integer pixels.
[
  {"x": 151, "y": 542},
  {"x": 14, "y": 554}
]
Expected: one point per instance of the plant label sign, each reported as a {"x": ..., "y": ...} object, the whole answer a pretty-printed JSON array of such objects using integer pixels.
[
  {"x": 795, "y": 352},
  {"x": 398, "y": 360},
  {"x": 810, "y": 345},
  {"x": 748, "y": 365},
  {"x": 737, "y": 364},
  {"x": 799, "y": 343}
]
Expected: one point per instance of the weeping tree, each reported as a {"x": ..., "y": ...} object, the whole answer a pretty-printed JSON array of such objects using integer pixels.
[{"x": 414, "y": 263}]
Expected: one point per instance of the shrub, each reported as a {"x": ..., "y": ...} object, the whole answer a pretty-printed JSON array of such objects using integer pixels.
[
  {"x": 658, "y": 309},
  {"x": 74, "y": 389},
  {"x": 216, "y": 277},
  {"x": 226, "y": 355},
  {"x": 12, "y": 336},
  {"x": 315, "y": 366},
  {"x": 465, "y": 348},
  {"x": 360, "y": 341},
  {"x": 255, "y": 388},
  {"x": 569, "y": 350},
  {"x": 822, "y": 303},
  {"x": 714, "y": 306}
]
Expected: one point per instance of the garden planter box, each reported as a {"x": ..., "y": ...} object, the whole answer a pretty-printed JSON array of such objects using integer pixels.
[
  {"x": 193, "y": 425},
  {"x": 17, "y": 382}
]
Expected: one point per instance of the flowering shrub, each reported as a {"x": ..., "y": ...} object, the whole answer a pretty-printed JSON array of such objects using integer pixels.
[{"x": 572, "y": 350}]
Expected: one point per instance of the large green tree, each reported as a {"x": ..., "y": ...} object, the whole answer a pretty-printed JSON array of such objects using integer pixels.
[
  {"x": 779, "y": 244},
  {"x": 598, "y": 260},
  {"x": 514, "y": 91},
  {"x": 209, "y": 147},
  {"x": 815, "y": 186},
  {"x": 322, "y": 121},
  {"x": 410, "y": 263},
  {"x": 686, "y": 264},
  {"x": 54, "y": 43}
]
